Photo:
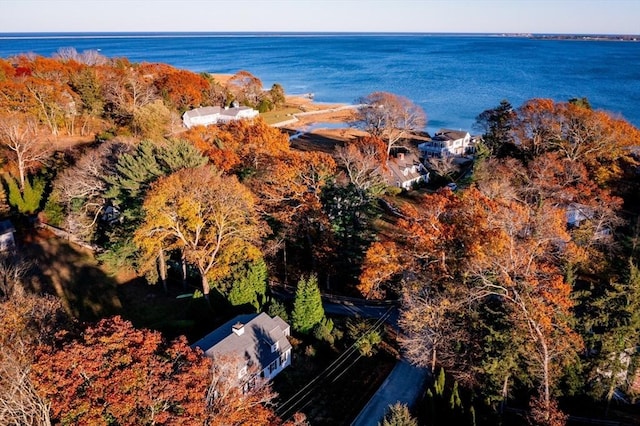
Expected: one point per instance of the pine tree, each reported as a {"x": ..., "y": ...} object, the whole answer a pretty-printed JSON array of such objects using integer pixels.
[
  {"x": 307, "y": 306},
  {"x": 617, "y": 320},
  {"x": 4, "y": 204},
  {"x": 180, "y": 155},
  {"x": 398, "y": 415},
  {"x": 249, "y": 284},
  {"x": 27, "y": 201}
]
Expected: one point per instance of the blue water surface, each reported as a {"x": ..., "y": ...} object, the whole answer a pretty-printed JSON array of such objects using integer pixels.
[{"x": 453, "y": 77}]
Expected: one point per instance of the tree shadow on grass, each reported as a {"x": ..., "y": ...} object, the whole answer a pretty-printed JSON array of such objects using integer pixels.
[{"x": 73, "y": 274}]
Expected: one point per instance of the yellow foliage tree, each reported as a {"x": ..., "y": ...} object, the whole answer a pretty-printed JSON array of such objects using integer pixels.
[{"x": 209, "y": 217}]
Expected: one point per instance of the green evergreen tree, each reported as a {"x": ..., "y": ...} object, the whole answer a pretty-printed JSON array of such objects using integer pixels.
[
  {"x": 180, "y": 155},
  {"x": 307, "y": 305},
  {"x": 27, "y": 201},
  {"x": 495, "y": 125},
  {"x": 4, "y": 204},
  {"x": 276, "y": 308},
  {"x": 439, "y": 383},
  {"x": 615, "y": 333},
  {"x": 398, "y": 415},
  {"x": 248, "y": 284}
]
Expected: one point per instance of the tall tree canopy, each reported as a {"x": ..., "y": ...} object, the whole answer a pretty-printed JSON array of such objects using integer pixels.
[
  {"x": 390, "y": 117},
  {"x": 207, "y": 216}
]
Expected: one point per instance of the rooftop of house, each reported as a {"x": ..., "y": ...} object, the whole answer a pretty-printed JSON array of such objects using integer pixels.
[
  {"x": 449, "y": 135},
  {"x": 214, "y": 110},
  {"x": 250, "y": 337},
  {"x": 402, "y": 160},
  {"x": 6, "y": 226}
]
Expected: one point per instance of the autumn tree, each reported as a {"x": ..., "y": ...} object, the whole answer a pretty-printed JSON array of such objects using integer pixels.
[
  {"x": 18, "y": 136},
  {"x": 363, "y": 162},
  {"x": 147, "y": 379},
  {"x": 152, "y": 120},
  {"x": 380, "y": 264},
  {"x": 389, "y": 117},
  {"x": 125, "y": 92},
  {"x": 307, "y": 305},
  {"x": 81, "y": 189},
  {"x": 26, "y": 321},
  {"x": 289, "y": 190},
  {"x": 473, "y": 251},
  {"x": 183, "y": 89},
  {"x": 127, "y": 185},
  {"x": 245, "y": 87},
  {"x": 207, "y": 216},
  {"x": 230, "y": 404}
]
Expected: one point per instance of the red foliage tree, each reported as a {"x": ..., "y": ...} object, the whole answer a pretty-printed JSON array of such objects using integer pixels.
[{"x": 115, "y": 374}]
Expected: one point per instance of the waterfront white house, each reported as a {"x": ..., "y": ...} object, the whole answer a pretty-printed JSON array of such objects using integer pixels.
[
  {"x": 215, "y": 115},
  {"x": 257, "y": 341},
  {"x": 446, "y": 143}
]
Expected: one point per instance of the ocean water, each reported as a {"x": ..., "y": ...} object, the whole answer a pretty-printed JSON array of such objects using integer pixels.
[{"x": 453, "y": 77}]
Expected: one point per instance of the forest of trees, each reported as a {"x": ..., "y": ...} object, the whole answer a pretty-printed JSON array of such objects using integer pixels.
[{"x": 495, "y": 285}]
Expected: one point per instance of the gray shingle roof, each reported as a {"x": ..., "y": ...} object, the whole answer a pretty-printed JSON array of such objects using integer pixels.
[
  {"x": 448, "y": 134},
  {"x": 254, "y": 344}
]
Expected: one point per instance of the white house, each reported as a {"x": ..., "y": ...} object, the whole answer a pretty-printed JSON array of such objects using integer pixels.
[
  {"x": 447, "y": 142},
  {"x": 257, "y": 340},
  {"x": 7, "y": 241},
  {"x": 577, "y": 213},
  {"x": 213, "y": 115},
  {"x": 405, "y": 169}
]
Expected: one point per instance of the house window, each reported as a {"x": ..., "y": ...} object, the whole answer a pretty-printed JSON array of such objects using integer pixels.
[
  {"x": 272, "y": 367},
  {"x": 283, "y": 358},
  {"x": 242, "y": 372},
  {"x": 275, "y": 347}
]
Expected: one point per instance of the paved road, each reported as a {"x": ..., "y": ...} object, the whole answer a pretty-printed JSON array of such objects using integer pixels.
[{"x": 404, "y": 384}]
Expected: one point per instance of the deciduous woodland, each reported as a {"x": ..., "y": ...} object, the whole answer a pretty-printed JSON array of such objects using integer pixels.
[{"x": 520, "y": 290}]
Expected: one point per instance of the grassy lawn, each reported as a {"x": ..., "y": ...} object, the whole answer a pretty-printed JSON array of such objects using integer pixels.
[
  {"x": 279, "y": 115},
  {"x": 89, "y": 292},
  {"x": 71, "y": 273}
]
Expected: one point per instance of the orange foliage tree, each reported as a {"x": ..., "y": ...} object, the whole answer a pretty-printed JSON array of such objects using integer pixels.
[
  {"x": 473, "y": 250},
  {"x": 380, "y": 264},
  {"x": 184, "y": 89}
]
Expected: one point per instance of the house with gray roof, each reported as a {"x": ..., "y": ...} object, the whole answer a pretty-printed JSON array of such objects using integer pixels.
[
  {"x": 405, "y": 169},
  {"x": 214, "y": 115},
  {"x": 257, "y": 341}
]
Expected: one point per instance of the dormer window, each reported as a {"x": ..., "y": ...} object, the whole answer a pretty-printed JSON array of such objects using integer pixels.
[{"x": 275, "y": 347}]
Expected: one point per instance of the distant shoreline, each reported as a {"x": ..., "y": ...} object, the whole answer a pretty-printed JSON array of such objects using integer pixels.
[
  {"x": 578, "y": 37},
  {"x": 187, "y": 34}
]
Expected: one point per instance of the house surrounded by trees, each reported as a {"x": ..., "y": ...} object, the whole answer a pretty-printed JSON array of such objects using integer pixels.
[
  {"x": 405, "y": 169},
  {"x": 447, "y": 142},
  {"x": 258, "y": 341}
]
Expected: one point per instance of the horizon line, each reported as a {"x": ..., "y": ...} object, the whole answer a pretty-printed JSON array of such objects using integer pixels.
[{"x": 292, "y": 32}]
